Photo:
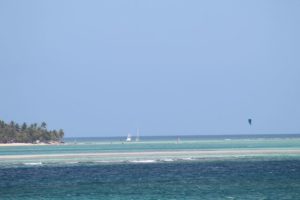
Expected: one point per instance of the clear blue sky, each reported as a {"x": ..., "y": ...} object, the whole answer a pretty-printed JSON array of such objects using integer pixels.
[{"x": 103, "y": 68}]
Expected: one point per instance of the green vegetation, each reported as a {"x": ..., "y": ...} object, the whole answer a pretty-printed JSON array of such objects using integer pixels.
[{"x": 33, "y": 133}]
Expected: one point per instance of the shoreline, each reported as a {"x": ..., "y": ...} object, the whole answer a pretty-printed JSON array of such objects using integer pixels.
[{"x": 27, "y": 144}]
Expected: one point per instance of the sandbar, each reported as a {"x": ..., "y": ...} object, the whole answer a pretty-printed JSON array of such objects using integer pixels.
[{"x": 157, "y": 153}]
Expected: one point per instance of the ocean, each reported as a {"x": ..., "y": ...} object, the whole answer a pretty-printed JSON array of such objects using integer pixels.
[{"x": 149, "y": 175}]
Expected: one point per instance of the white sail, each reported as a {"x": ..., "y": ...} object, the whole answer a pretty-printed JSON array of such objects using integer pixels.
[{"x": 128, "y": 139}]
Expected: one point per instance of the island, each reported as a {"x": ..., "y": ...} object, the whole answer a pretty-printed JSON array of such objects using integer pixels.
[{"x": 11, "y": 133}]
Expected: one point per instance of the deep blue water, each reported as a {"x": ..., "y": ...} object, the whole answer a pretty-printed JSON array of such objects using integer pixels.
[{"x": 233, "y": 179}]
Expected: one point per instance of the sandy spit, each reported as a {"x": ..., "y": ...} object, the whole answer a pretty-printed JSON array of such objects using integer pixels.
[{"x": 158, "y": 153}]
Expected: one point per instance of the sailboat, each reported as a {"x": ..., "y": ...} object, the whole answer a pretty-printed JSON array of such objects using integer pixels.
[{"x": 128, "y": 139}]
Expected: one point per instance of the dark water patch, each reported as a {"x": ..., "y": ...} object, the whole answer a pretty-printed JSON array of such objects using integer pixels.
[{"x": 272, "y": 179}]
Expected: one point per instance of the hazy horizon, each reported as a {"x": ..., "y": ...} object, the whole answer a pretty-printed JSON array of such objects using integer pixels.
[
  {"x": 104, "y": 68},
  {"x": 175, "y": 136}
]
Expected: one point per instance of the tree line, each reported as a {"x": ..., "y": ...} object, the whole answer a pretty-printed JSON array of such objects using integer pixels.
[{"x": 28, "y": 133}]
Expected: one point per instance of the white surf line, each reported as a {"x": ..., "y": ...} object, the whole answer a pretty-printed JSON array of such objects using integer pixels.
[{"x": 157, "y": 153}]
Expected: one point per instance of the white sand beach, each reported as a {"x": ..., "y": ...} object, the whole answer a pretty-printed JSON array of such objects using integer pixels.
[{"x": 26, "y": 144}]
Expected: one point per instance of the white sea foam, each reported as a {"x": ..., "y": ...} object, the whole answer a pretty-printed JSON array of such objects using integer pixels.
[
  {"x": 168, "y": 160},
  {"x": 33, "y": 163},
  {"x": 188, "y": 159},
  {"x": 72, "y": 162},
  {"x": 143, "y": 161},
  {"x": 105, "y": 161},
  {"x": 229, "y": 197}
]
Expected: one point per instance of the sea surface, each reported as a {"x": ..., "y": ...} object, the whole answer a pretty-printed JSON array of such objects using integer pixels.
[{"x": 275, "y": 176}]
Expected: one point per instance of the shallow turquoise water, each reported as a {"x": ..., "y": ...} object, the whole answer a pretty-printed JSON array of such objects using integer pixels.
[{"x": 98, "y": 145}]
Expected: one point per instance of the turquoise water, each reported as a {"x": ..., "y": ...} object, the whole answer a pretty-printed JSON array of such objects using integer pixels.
[
  {"x": 118, "y": 144},
  {"x": 173, "y": 177}
]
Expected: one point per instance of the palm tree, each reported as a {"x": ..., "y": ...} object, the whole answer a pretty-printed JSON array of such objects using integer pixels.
[
  {"x": 61, "y": 134},
  {"x": 24, "y": 126},
  {"x": 12, "y": 124},
  {"x": 17, "y": 127},
  {"x": 43, "y": 125}
]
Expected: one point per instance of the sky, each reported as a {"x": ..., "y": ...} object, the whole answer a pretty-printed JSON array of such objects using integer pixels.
[{"x": 171, "y": 67}]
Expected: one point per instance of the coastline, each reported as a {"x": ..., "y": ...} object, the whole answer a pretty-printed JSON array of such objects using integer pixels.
[{"x": 27, "y": 144}]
